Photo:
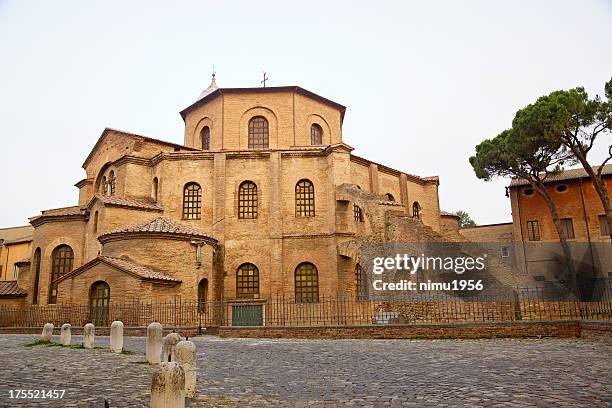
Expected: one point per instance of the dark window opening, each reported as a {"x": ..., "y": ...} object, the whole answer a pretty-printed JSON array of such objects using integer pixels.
[{"x": 258, "y": 133}]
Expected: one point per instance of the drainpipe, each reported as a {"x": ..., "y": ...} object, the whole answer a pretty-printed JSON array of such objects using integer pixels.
[{"x": 8, "y": 252}]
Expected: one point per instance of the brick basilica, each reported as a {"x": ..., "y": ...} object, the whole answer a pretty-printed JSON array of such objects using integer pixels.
[{"x": 264, "y": 198}]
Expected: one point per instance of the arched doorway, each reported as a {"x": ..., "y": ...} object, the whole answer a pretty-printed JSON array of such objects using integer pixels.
[
  {"x": 99, "y": 301},
  {"x": 202, "y": 295}
]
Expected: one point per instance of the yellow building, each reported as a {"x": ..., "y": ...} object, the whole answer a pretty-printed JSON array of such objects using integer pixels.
[{"x": 15, "y": 248}]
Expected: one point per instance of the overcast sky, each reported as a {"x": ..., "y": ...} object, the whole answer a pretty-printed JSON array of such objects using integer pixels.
[{"x": 424, "y": 82}]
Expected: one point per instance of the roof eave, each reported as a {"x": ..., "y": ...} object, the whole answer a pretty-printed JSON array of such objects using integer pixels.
[{"x": 297, "y": 89}]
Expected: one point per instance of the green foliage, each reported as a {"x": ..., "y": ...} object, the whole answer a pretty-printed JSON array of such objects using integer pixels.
[
  {"x": 569, "y": 118},
  {"x": 465, "y": 221},
  {"x": 42, "y": 343}
]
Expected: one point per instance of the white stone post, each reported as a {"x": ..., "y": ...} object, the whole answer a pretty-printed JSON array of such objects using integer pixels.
[
  {"x": 185, "y": 352},
  {"x": 154, "y": 343},
  {"x": 47, "y": 332},
  {"x": 168, "y": 386},
  {"x": 89, "y": 336},
  {"x": 65, "y": 334},
  {"x": 170, "y": 341},
  {"x": 116, "y": 337}
]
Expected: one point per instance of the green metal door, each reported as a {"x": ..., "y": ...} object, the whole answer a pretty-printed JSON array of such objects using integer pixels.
[{"x": 247, "y": 315}]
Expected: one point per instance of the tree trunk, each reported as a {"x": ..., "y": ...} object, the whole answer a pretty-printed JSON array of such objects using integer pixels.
[
  {"x": 539, "y": 186},
  {"x": 600, "y": 187}
]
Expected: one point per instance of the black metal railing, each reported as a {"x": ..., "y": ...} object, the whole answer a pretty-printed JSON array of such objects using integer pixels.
[{"x": 545, "y": 302}]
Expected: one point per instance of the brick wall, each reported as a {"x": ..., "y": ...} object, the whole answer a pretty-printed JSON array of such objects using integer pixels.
[{"x": 568, "y": 329}]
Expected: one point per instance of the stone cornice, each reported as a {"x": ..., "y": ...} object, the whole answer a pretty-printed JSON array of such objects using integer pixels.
[
  {"x": 83, "y": 183},
  {"x": 322, "y": 235},
  {"x": 43, "y": 219},
  {"x": 388, "y": 170},
  {"x": 125, "y": 236}
]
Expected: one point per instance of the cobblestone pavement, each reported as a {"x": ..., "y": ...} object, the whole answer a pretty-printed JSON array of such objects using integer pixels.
[{"x": 338, "y": 373}]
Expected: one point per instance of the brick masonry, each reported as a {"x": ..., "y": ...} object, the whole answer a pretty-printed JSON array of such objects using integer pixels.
[
  {"x": 567, "y": 328},
  {"x": 277, "y": 241}
]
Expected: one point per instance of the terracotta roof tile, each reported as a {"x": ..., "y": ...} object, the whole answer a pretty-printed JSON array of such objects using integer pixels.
[
  {"x": 10, "y": 288},
  {"x": 136, "y": 269},
  {"x": 160, "y": 225},
  {"x": 23, "y": 261},
  {"x": 62, "y": 211},
  {"x": 124, "y": 265},
  {"x": 564, "y": 175},
  {"x": 129, "y": 202},
  {"x": 12, "y": 233},
  {"x": 19, "y": 240},
  {"x": 448, "y": 214}
]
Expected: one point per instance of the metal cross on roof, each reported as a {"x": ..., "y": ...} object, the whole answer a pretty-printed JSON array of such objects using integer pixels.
[{"x": 265, "y": 78}]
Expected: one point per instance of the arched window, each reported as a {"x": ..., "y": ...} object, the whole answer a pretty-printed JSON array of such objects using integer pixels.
[
  {"x": 205, "y": 134},
  {"x": 192, "y": 201},
  {"x": 247, "y": 200},
  {"x": 103, "y": 186},
  {"x": 247, "y": 281},
  {"x": 95, "y": 222},
  {"x": 316, "y": 134},
  {"x": 306, "y": 283},
  {"x": 202, "y": 295},
  {"x": 389, "y": 197},
  {"x": 99, "y": 298},
  {"x": 36, "y": 264},
  {"x": 61, "y": 263},
  {"x": 155, "y": 188},
  {"x": 112, "y": 184},
  {"x": 416, "y": 210},
  {"x": 304, "y": 199},
  {"x": 361, "y": 283},
  {"x": 258, "y": 133}
]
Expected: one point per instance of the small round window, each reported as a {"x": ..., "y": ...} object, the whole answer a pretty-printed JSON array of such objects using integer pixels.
[
  {"x": 528, "y": 191},
  {"x": 562, "y": 188}
]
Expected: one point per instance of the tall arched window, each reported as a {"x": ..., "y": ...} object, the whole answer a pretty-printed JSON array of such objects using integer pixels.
[
  {"x": 316, "y": 134},
  {"x": 416, "y": 210},
  {"x": 205, "y": 134},
  {"x": 258, "y": 133},
  {"x": 389, "y": 197},
  {"x": 304, "y": 199},
  {"x": 95, "y": 222},
  {"x": 155, "y": 188},
  {"x": 306, "y": 283},
  {"x": 192, "y": 201},
  {"x": 247, "y": 200},
  {"x": 112, "y": 183},
  {"x": 103, "y": 185},
  {"x": 36, "y": 264},
  {"x": 99, "y": 298},
  {"x": 247, "y": 281},
  {"x": 361, "y": 283},
  {"x": 61, "y": 263},
  {"x": 202, "y": 295}
]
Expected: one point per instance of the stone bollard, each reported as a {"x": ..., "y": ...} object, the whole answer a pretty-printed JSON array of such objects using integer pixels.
[
  {"x": 65, "y": 334},
  {"x": 168, "y": 386},
  {"x": 154, "y": 343},
  {"x": 116, "y": 337},
  {"x": 185, "y": 352},
  {"x": 47, "y": 332},
  {"x": 170, "y": 341},
  {"x": 89, "y": 336}
]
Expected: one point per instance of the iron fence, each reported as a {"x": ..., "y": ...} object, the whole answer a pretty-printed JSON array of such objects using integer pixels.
[{"x": 536, "y": 303}]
